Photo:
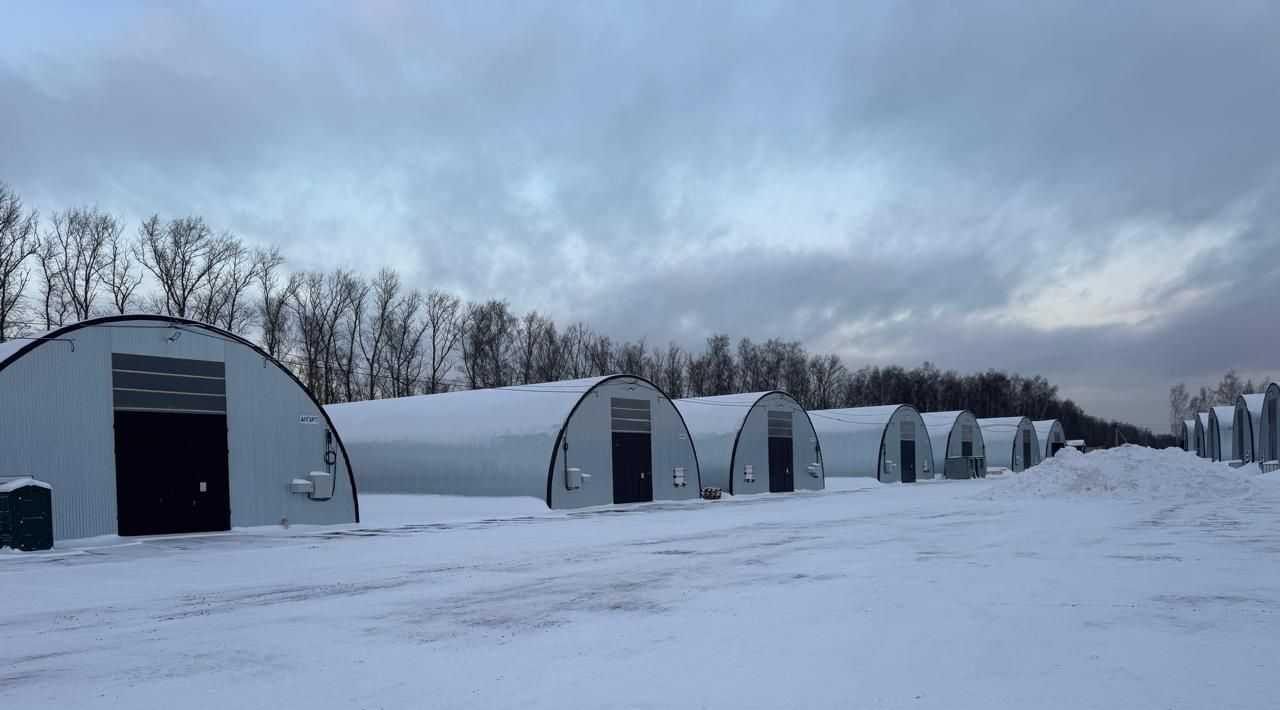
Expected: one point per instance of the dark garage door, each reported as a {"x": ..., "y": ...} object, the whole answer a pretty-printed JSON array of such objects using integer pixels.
[
  {"x": 171, "y": 445},
  {"x": 632, "y": 450}
]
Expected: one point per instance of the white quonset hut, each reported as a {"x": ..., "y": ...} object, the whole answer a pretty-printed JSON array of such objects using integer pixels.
[
  {"x": 1247, "y": 426},
  {"x": 1011, "y": 443},
  {"x": 595, "y": 441},
  {"x": 1188, "y": 435},
  {"x": 888, "y": 443},
  {"x": 153, "y": 425},
  {"x": 1052, "y": 437},
  {"x": 956, "y": 440},
  {"x": 1203, "y": 449},
  {"x": 1269, "y": 425},
  {"x": 1221, "y": 437},
  {"x": 761, "y": 442}
]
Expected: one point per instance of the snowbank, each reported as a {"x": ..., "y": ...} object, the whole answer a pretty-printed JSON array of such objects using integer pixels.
[{"x": 1126, "y": 473}]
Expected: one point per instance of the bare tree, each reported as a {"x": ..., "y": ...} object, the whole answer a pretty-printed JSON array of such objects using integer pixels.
[
  {"x": 183, "y": 255},
  {"x": 55, "y": 309},
  {"x": 223, "y": 299},
  {"x": 385, "y": 292},
  {"x": 19, "y": 242},
  {"x": 631, "y": 358},
  {"x": 274, "y": 299},
  {"x": 78, "y": 248},
  {"x": 529, "y": 337},
  {"x": 404, "y": 352},
  {"x": 487, "y": 344},
  {"x": 320, "y": 305},
  {"x": 123, "y": 275},
  {"x": 444, "y": 322},
  {"x": 1179, "y": 410},
  {"x": 827, "y": 374}
]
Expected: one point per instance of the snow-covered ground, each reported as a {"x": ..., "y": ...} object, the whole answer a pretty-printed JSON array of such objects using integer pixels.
[{"x": 1125, "y": 579}]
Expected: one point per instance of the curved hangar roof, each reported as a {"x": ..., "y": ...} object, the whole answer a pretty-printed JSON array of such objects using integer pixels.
[
  {"x": 947, "y": 436},
  {"x": 1051, "y": 435},
  {"x": 1003, "y": 436},
  {"x": 735, "y": 436},
  {"x": 573, "y": 444},
  {"x": 868, "y": 441},
  {"x": 117, "y": 413}
]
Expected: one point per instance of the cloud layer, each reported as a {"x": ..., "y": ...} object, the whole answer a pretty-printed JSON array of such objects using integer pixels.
[{"x": 1082, "y": 190}]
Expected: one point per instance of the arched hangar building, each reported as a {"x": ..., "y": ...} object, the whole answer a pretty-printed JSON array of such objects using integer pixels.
[
  {"x": 956, "y": 440},
  {"x": 155, "y": 425},
  {"x": 887, "y": 443},
  {"x": 594, "y": 441},
  {"x": 1011, "y": 442},
  {"x": 762, "y": 442}
]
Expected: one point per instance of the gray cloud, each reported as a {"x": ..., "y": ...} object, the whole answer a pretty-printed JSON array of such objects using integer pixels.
[{"x": 890, "y": 181}]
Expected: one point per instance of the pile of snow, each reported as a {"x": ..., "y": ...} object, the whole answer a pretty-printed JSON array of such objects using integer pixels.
[{"x": 1126, "y": 473}]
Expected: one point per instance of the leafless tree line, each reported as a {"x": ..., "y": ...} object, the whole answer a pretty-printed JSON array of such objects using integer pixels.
[{"x": 350, "y": 338}]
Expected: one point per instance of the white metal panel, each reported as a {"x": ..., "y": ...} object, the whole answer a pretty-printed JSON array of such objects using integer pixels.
[
  {"x": 865, "y": 441},
  {"x": 945, "y": 439},
  {"x": 1248, "y": 422},
  {"x": 731, "y": 432},
  {"x": 1269, "y": 425},
  {"x": 57, "y": 424},
  {"x": 1221, "y": 434},
  {"x": 1003, "y": 436},
  {"x": 1049, "y": 431},
  {"x": 1203, "y": 449},
  {"x": 507, "y": 441}
]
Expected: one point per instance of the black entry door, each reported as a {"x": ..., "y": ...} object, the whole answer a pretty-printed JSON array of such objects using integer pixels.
[
  {"x": 632, "y": 467},
  {"x": 781, "y": 460},
  {"x": 171, "y": 472},
  {"x": 1027, "y": 461},
  {"x": 907, "y": 456}
]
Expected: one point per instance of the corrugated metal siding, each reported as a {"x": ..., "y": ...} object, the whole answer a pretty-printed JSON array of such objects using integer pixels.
[
  {"x": 1222, "y": 441},
  {"x": 498, "y": 442},
  {"x": 715, "y": 423},
  {"x": 1249, "y": 419},
  {"x": 1202, "y": 435},
  {"x": 946, "y": 436},
  {"x": 861, "y": 441},
  {"x": 1269, "y": 425},
  {"x": 56, "y": 424},
  {"x": 590, "y": 436},
  {"x": 1048, "y": 432},
  {"x": 1003, "y": 437}
]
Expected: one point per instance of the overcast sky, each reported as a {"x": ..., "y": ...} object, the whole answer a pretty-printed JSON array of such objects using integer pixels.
[{"x": 1085, "y": 190}]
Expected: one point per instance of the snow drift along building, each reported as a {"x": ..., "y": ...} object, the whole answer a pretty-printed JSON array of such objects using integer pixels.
[
  {"x": 761, "y": 442},
  {"x": 1247, "y": 426},
  {"x": 1011, "y": 442},
  {"x": 154, "y": 425},
  {"x": 594, "y": 441},
  {"x": 956, "y": 441},
  {"x": 1221, "y": 435},
  {"x": 1052, "y": 437},
  {"x": 888, "y": 443}
]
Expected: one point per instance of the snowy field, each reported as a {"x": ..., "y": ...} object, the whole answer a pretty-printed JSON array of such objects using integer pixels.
[{"x": 1126, "y": 579}]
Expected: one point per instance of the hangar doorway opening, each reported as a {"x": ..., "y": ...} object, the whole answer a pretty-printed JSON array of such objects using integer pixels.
[
  {"x": 172, "y": 473},
  {"x": 907, "y": 451},
  {"x": 632, "y": 450},
  {"x": 782, "y": 477}
]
